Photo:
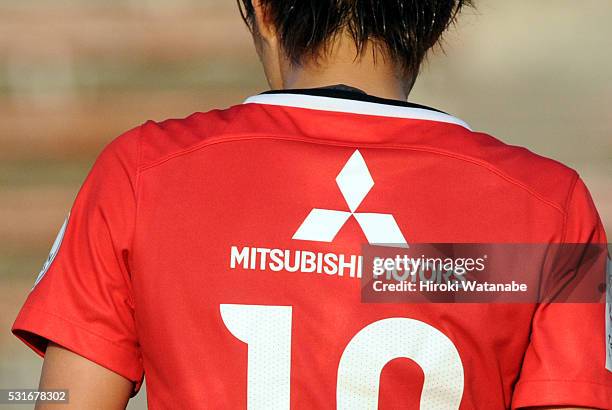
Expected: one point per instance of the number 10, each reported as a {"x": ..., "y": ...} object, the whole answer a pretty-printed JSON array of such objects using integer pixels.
[{"x": 267, "y": 332}]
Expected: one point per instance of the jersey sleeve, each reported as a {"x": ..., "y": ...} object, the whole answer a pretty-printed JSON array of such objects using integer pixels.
[
  {"x": 82, "y": 299},
  {"x": 565, "y": 362}
]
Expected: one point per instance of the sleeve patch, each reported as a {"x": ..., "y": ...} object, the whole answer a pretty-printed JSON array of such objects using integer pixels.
[
  {"x": 54, "y": 250},
  {"x": 609, "y": 316}
]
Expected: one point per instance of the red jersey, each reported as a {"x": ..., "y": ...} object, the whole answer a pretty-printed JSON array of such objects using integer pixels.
[{"x": 185, "y": 259}]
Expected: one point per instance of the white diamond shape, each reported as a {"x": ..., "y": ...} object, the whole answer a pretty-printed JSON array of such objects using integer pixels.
[
  {"x": 381, "y": 229},
  {"x": 355, "y": 181},
  {"x": 321, "y": 225}
]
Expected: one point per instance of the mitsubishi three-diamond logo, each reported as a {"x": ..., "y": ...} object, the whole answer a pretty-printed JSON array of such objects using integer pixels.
[{"x": 354, "y": 182}]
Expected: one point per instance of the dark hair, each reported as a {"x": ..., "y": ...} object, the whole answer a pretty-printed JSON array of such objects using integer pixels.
[{"x": 404, "y": 29}]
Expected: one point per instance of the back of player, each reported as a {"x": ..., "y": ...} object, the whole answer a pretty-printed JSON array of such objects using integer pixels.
[{"x": 220, "y": 255}]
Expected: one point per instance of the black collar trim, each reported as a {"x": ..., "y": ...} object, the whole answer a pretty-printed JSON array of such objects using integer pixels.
[{"x": 350, "y": 93}]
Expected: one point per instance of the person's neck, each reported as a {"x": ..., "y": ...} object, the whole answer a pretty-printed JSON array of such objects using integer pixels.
[{"x": 371, "y": 73}]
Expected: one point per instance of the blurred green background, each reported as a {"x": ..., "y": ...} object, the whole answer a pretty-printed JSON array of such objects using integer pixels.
[{"x": 75, "y": 74}]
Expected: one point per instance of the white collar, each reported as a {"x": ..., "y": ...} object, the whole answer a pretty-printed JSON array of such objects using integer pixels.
[{"x": 345, "y": 105}]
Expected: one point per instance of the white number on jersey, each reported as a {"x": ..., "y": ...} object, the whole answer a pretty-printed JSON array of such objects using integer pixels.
[{"x": 267, "y": 331}]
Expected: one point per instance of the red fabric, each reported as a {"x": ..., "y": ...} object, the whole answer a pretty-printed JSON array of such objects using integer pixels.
[
  {"x": 85, "y": 300},
  {"x": 144, "y": 265}
]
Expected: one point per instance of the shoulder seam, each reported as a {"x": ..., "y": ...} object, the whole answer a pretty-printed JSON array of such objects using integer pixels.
[
  {"x": 568, "y": 199},
  {"x": 251, "y": 136},
  {"x": 136, "y": 189}
]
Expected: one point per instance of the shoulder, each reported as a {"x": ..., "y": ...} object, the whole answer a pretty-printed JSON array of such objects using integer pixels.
[
  {"x": 545, "y": 178},
  {"x": 165, "y": 139},
  {"x": 155, "y": 141}
]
